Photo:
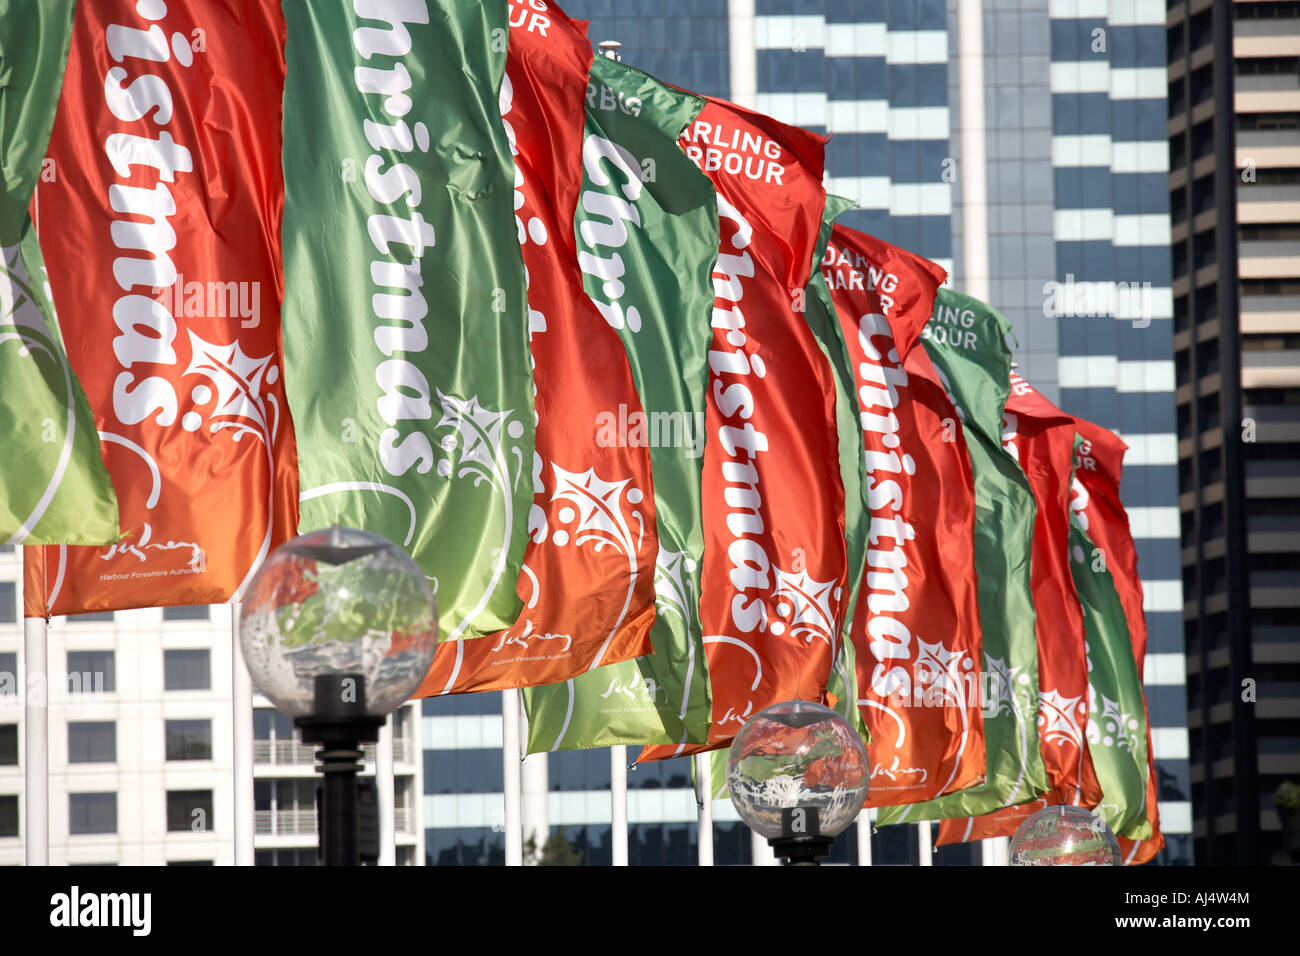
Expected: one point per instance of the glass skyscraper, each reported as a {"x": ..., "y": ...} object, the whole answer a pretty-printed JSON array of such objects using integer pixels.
[{"x": 1076, "y": 198}]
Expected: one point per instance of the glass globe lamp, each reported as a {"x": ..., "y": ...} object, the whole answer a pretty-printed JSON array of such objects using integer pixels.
[
  {"x": 798, "y": 773},
  {"x": 339, "y": 603},
  {"x": 1064, "y": 836}
]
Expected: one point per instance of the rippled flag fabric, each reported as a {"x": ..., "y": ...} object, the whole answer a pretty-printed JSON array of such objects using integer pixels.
[
  {"x": 587, "y": 585},
  {"x": 1041, "y": 438},
  {"x": 647, "y": 239},
  {"x": 54, "y": 487},
  {"x": 775, "y": 558},
  {"x": 967, "y": 341},
  {"x": 161, "y": 232},
  {"x": 915, "y": 630},
  {"x": 1112, "y": 558},
  {"x": 405, "y": 310}
]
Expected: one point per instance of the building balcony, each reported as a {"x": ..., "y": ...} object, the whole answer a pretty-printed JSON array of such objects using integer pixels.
[{"x": 285, "y": 822}]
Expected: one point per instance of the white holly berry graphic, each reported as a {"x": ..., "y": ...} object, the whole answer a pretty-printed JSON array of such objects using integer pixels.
[
  {"x": 940, "y": 672},
  {"x": 239, "y": 400},
  {"x": 1058, "y": 718},
  {"x": 476, "y": 449},
  {"x": 806, "y": 605},
  {"x": 597, "y": 516},
  {"x": 674, "y": 589}
]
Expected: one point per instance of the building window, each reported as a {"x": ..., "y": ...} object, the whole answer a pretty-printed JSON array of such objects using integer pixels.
[
  {"x": 186, "y": 612},
  {"x": 91, "y": 617},
  {"x": 8, "y": 745},
  {"x": 92, "y": 741},
  {"x": 92, "y": 813},
  {"x": 92, "y": 672},
  {"x": 8, "y": 603},
  {"x": 187, "y": 670},
  {"x": 285, "y": 858},
  {"x": 189, "y": 739},
  {"x": 8, "y": 675},
  {"x": 189, "y": 810},
  {"x": 8, "y": 814},
  {"x": 190, "y": 863}
]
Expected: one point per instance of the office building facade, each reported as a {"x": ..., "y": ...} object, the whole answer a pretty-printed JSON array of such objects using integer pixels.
[{"x": 1234, "y": 144}]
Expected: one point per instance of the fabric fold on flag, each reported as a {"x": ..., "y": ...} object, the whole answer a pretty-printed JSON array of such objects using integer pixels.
[
  {"x": 54, "y": 486},
  {"x": 647, "y": 235},
  {"x": 1041, "y": 439}
]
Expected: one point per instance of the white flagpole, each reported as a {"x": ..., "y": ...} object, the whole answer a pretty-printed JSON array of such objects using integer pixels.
[
  {"x": 618, "y": 803},
  {"x": 536, "y": 781},
  {"x": 384, "y": 792},
  {"x": 761, "y": 851},
  {"x": 241, "y": 713},
  {"x": 512, "y": 777},
  {"x": 36, "y": 731},
  {"x": 994, "y": 851},
  {"x": 924, "y": 844},
  {"x": 704, "y": 798},
  {"x": 864, "y": 837},
  {"x": 974, "y": 159}
]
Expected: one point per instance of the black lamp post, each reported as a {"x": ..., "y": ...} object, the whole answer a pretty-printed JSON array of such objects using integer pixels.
[{"x": 338, "y": 629}]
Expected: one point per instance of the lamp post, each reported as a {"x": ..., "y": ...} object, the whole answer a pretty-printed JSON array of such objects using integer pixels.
[
  {"x": 797, "y": 774},
  {"x": 1064, "y": 836},
  {"x": 338, "y": 628}
]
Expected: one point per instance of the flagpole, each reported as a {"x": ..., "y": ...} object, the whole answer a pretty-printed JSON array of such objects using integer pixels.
[
  {"x": 36, "y": 731},
  {"x": 993, "y": 851},
  {"x": 974, "y": 159},
  {"x": 924, "y": 844},
  {"x": 704, "y": 798},
  {"x": 618, "y": 803},
  {"x": 760, "y": 850},
  {"x": 241, "y": 715},
  {"x": 384, "y": 793},
  {"x": 512, "y": 777},
  {"x": 864, "y": 837}
]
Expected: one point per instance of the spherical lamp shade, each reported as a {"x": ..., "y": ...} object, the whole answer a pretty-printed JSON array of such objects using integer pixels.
[
  {"x": 797, "y": 754},
  {"x": 338, "y": 601},
  {"x": 1064, "y": 836}
]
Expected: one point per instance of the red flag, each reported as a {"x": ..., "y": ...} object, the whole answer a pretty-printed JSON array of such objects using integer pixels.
[
  {"x": 775, "y": 565},
  {"x": 588, "y": 581},
  {"x": 1098, "y": 465},
  {"x": 916, "y": 631},
  {"x": 1041, "y": 437},
  {"x": 161, "y": 232}
]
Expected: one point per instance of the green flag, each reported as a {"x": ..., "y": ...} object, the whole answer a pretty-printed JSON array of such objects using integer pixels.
[
  {"x": 647, "y": 238},
  {"x": 54, "y": 488},
  {"x": 405, "y": 313},
  {"x": 1117, "y": 733},
  {"x": 966, "y": 340}
]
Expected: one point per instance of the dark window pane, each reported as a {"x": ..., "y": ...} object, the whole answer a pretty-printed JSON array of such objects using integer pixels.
[
  {"x": 8, "y": 815},
  {"x": 92, "y": 741},
  {"x": 8, "y": 603},
  {"x": 91, "y": 617},
  {"x": 189, "y": 740},
  {"x": 189, "y": 810},
  {"x": 187, "y": 670},
  {"x": 8, "y": 745},
  {"x": 91, "y": 672},
  {"x": 92, "y": 813},
  {"x": 186, "y": 612}
]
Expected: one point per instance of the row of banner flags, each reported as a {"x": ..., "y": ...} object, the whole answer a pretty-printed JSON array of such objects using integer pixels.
[{"x": 671, "y": 444}]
